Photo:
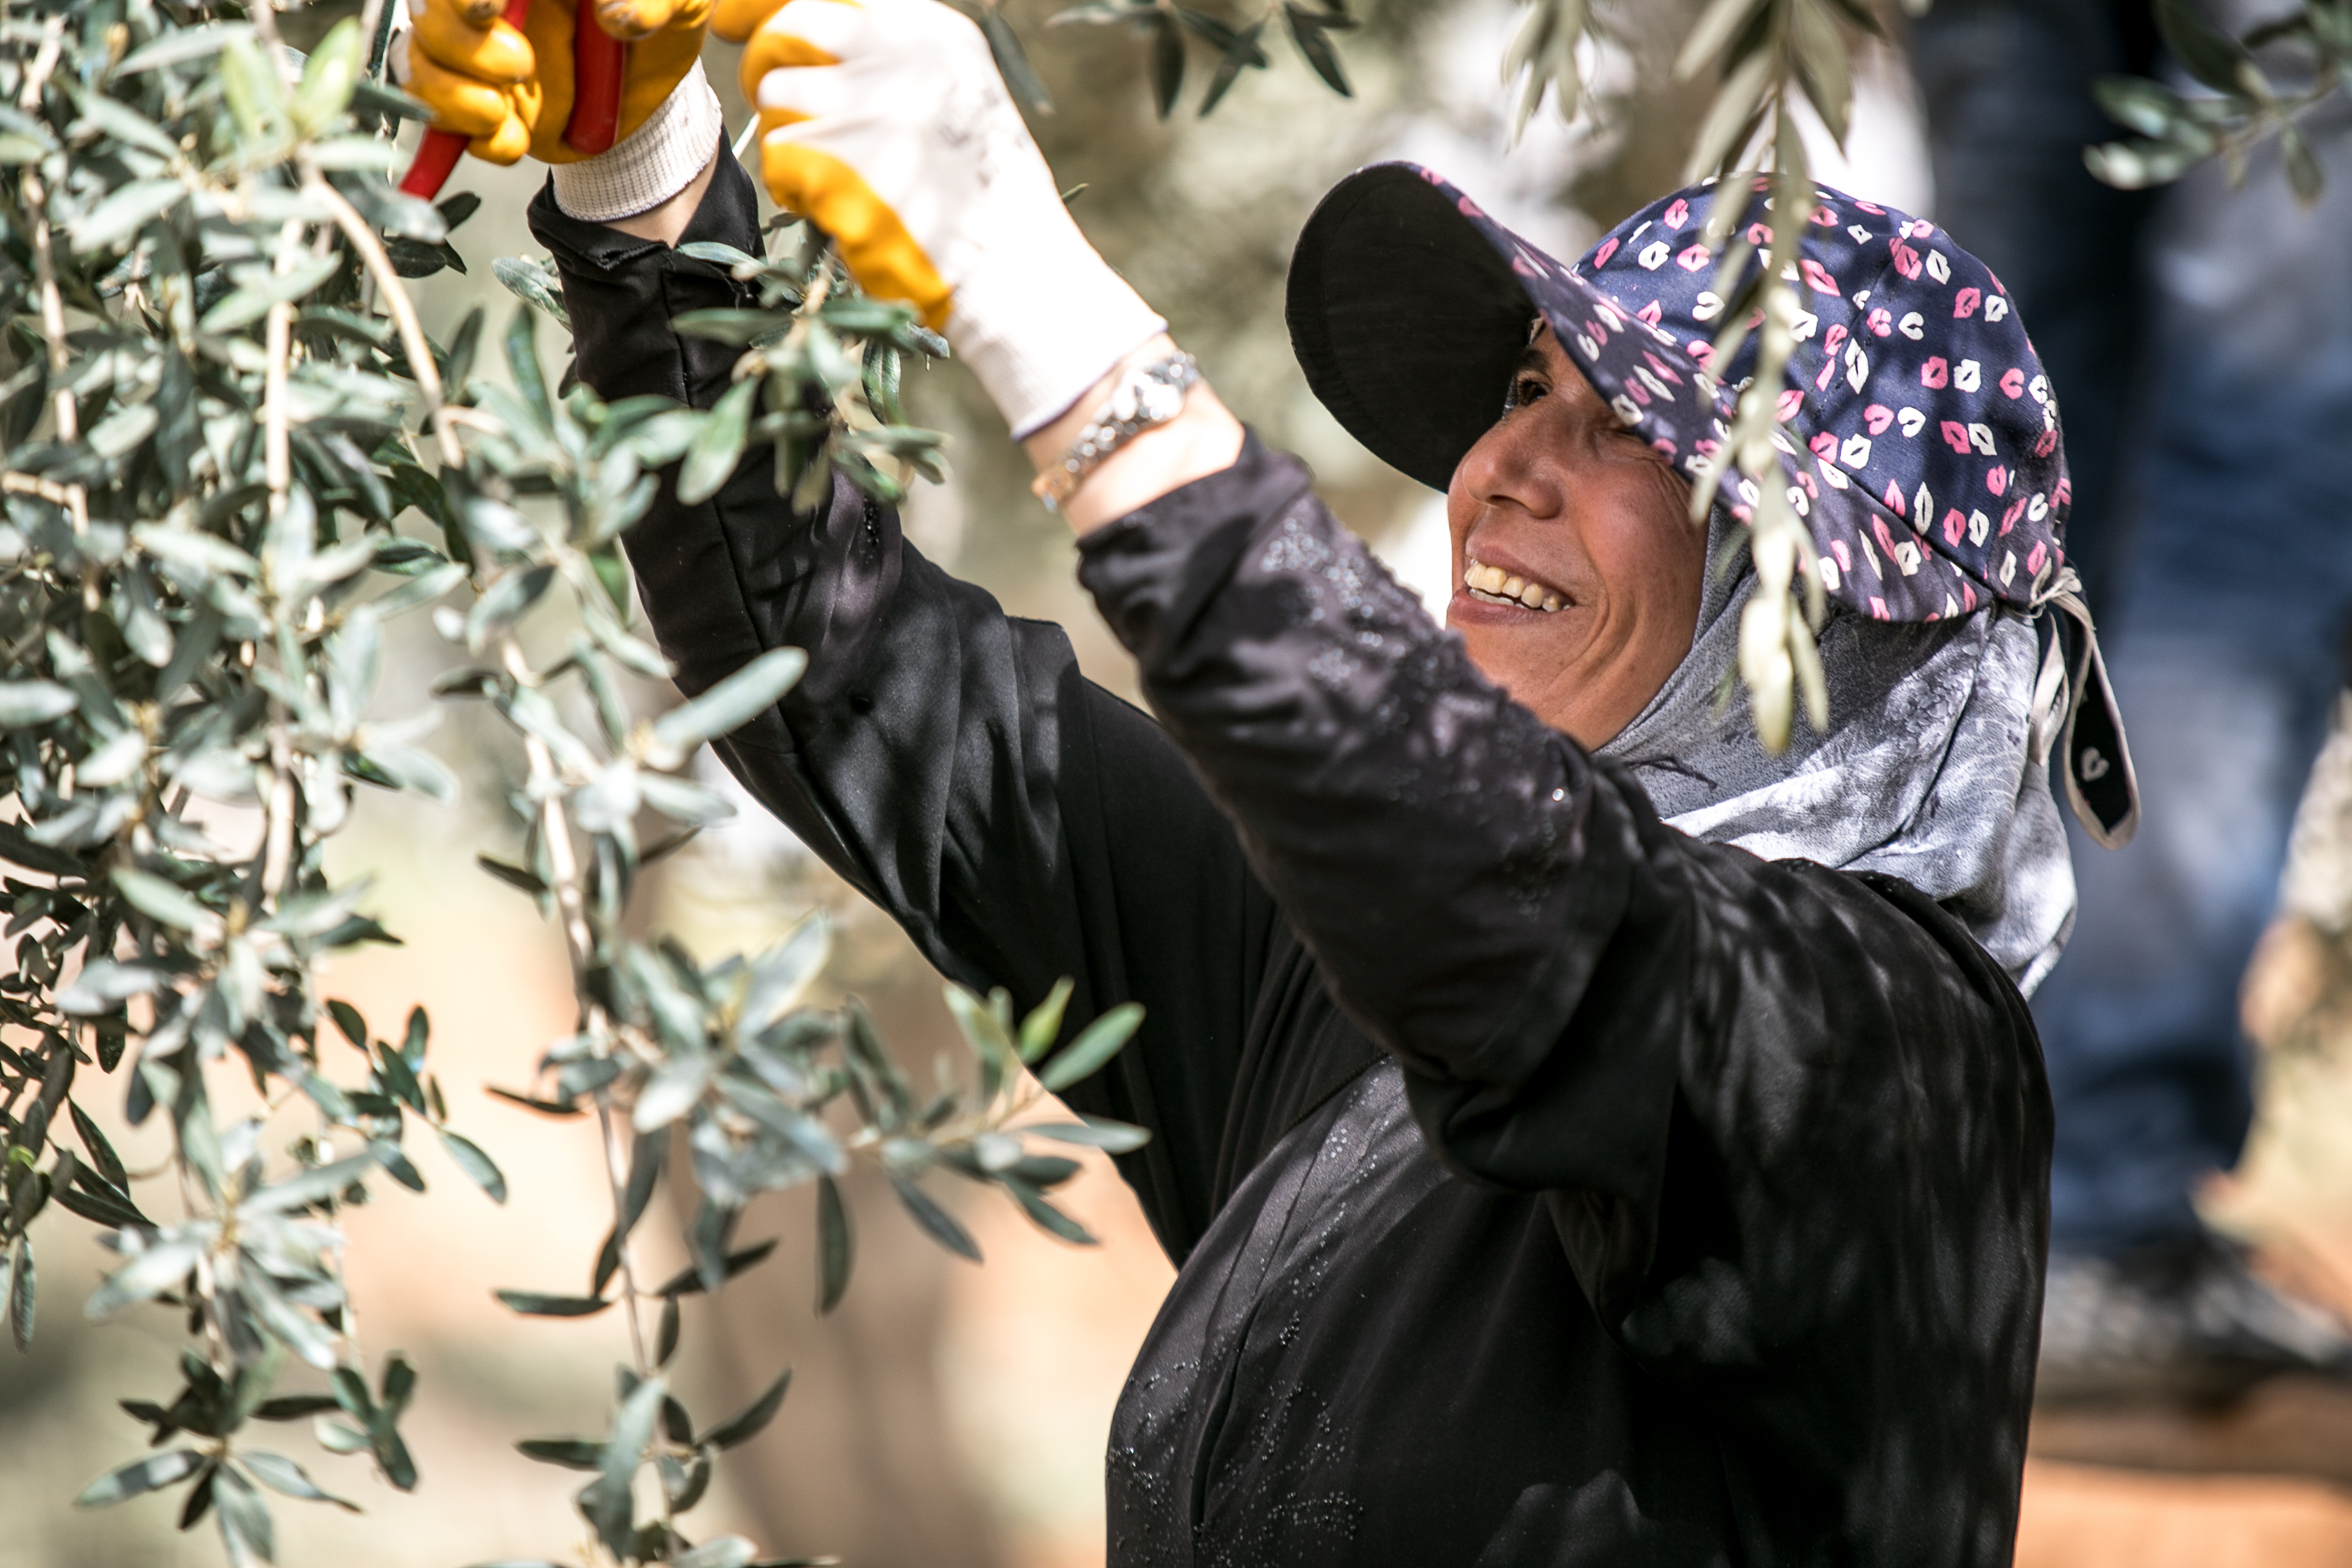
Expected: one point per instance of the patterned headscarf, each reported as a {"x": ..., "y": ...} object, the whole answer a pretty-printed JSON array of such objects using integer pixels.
[
  {"x": 1920, "y": 439},
  {"x": 1928, "y": 773}
]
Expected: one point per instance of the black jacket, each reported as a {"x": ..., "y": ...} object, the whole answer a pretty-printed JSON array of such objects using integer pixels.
[{"x": 1547, "y": 1187}]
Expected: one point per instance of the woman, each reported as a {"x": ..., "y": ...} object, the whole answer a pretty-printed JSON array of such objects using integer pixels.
[{"x": 1551, "y": 1183}]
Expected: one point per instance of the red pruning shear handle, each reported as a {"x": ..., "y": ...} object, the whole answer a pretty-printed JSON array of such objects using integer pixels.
[{"x": 598, "y": 62}]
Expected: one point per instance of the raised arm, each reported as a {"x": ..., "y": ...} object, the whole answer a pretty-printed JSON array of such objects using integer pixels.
[
  {"x": 1789, "y": 1125},
  {"x": 948, "y": 760},
  {"x": 1501, "y": 909}
]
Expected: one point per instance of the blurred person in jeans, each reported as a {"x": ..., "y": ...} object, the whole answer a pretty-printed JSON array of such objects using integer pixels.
[{"x": 2200, "y": 342}]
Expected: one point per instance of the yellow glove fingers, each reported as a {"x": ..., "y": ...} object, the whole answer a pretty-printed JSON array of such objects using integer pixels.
[
  {"x": 838, "y": 27},
  {"x": 460, "y": 65},
  {"x": 460, "y": 103},
  {"x": 737, "y": 20},
  {"x": 655, "y": 67},
  {"x": 801, "y": 34},
  {"x": 634, "y": 19},
  {"x": 771, "y": 51},
  {"x": 550, "y": 26},
  {"x": 874, "y": 245},
  {"x": 631, "y": 20},
  {"x": 511, "y": 141},
  {"x": 496, "y": 53}
]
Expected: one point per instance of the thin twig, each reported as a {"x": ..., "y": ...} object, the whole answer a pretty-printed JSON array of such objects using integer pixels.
[
  {"x": 16, "y": 484},
  {"x": 616, "y": 1174},
  {"x": 277, "y": 462},
  {"x": 53, "y": 309},
  {"x": 277, "y": 849},
  {"x": 403, "y": 311},
  {"x": 263, "y": 15},
  {"x": 545, "y": 781},
  {"x": 554, "y": 825}
]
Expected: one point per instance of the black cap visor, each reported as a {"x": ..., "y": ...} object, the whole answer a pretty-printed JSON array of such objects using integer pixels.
[{"x": 1406, "y": 320}]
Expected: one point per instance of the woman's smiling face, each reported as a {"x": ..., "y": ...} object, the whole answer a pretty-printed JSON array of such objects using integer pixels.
[{"x": 1576, "y": 568}]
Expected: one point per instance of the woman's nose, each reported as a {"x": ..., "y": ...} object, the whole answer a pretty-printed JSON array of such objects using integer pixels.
[{"x": 1514, "y": 465}]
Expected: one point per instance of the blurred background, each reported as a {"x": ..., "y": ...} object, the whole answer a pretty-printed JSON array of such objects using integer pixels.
[{"x": 950, "y": 1416}]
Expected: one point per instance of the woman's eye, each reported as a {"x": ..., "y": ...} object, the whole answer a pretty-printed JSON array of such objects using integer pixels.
[{"x": 1528, "y": 389}]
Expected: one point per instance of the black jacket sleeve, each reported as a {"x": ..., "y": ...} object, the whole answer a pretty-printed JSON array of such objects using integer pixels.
[
  {"x": 950, "y": 761},
  {"x": 1790, "y": 1122}
]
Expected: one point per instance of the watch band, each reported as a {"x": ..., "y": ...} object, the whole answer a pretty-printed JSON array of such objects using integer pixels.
[{"x": 1147, "y": 395}]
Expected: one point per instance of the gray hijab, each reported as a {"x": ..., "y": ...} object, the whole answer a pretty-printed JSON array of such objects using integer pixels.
[{"x": 1926, "y": 773}]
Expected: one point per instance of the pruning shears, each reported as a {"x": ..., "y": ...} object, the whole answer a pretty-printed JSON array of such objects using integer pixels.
[{"x": 598, "y": 61}]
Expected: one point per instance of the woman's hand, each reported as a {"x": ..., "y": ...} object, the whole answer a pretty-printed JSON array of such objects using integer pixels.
[
  {"x": 885, "y": 123},
  {"x": 510, "y": 92}
]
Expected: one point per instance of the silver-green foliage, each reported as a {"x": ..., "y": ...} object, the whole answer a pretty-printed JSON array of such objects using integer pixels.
[
  {"x": 714, "y": 1063},
  {"x": 1235, "y": 36},
  {"x": 204, "y": 448},
  {"x": 2241, "y": 103},
  {"x": 210, "y": 393}
]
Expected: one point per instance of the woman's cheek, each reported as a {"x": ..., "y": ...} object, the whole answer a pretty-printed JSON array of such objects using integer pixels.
[
  {"x": 1635, "y": 547},
  {"x": 1673, "y": 548}
]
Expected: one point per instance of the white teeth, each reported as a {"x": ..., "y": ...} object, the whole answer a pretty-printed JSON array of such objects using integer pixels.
[{"x": 1496, "y": 586}]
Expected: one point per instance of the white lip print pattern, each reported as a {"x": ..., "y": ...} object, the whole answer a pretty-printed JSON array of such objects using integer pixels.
[{"x": 1918, "y": 437}]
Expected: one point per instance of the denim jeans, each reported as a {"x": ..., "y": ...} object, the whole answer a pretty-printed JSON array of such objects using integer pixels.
[{"x": 2199, "y": 343}]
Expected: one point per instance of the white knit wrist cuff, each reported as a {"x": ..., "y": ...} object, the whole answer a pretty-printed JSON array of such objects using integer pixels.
[
  {"x": 1039, "y": 336},
  {"x": 659, "y": 159}
]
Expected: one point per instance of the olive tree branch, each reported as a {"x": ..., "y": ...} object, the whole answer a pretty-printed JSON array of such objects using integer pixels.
[
  {"x": 1766, "y": 54},
  {"x": 392, "y": 295},
  {"x": 68, "y": 415}
]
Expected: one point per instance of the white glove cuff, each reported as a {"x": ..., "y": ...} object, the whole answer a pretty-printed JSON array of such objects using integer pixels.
[
  {"x": 659, "y": 159},
  {"x": 1040, "y": 333}
]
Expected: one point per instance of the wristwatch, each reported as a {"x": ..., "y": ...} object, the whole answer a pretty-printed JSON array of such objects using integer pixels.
[{"x": 1147, "y": 395}]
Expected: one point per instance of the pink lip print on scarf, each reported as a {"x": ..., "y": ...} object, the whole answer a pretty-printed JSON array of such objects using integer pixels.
[{"x": 1956, "y": 434}]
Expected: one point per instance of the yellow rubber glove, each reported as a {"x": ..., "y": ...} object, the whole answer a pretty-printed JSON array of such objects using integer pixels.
[
  {"x": 510, "y": 92},
  {"x": 885, "y": 123},
  {"x": 737, "y": 20}
]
